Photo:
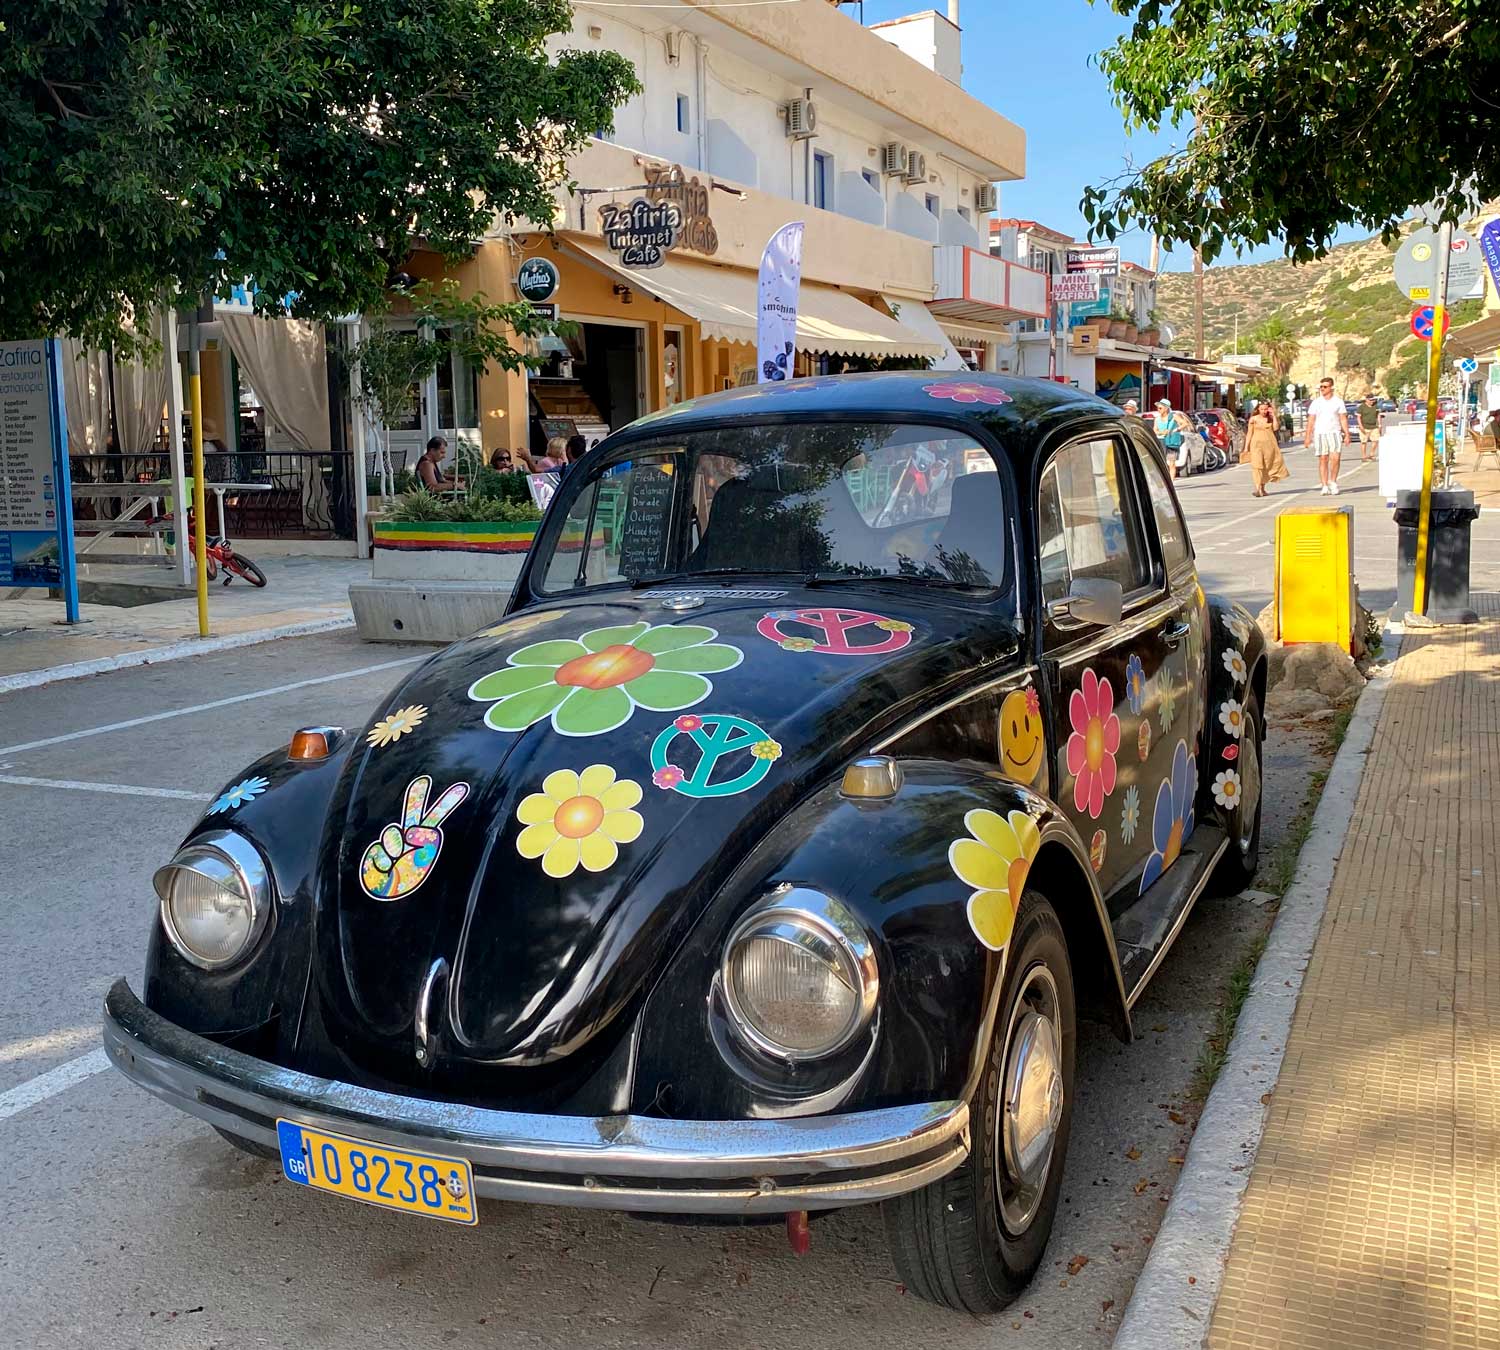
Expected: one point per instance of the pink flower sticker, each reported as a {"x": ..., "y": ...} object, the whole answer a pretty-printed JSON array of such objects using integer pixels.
[
  {"x": 967, "y": 391},
  {"x": 1093, "y": 743},
  {"x": 668, "y": 777},
  {"x": 687, "y": 722}
]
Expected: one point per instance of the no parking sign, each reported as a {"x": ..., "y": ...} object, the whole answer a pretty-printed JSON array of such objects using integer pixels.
[{"x": 1422, "y": 323}]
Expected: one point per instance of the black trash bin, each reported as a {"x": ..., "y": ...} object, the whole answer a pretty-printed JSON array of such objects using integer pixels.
[{"x": 1453, "y": 511}]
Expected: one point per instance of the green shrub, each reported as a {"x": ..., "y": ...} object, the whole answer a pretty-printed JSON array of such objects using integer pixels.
[{"x": 419, "y": 506}]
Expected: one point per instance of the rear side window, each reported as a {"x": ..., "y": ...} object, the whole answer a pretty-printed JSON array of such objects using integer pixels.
[
  {"x": 1169, "y": 526},
  {"x": 1085, "y": 527}
]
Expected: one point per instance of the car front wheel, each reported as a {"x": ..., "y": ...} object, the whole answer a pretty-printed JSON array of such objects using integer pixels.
[{"x": 973, "y": 1240}]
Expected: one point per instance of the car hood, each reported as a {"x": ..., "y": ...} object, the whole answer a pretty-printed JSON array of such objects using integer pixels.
[{"x": 548, "y": 805}]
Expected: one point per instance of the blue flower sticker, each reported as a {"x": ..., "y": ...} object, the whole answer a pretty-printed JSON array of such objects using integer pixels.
[
  {"x": 1135, "y": 683},
  {"x": 244, "y": 791},
  {"x": 1172, "y": 822}
]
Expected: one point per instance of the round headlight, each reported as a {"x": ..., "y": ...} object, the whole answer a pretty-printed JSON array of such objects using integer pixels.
[
  {"x": 215, "y": 898},
  {"x": 799, "y": 975}
]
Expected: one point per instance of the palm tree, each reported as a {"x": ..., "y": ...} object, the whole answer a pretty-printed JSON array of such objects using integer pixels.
[{"x": 1277, "y": 344}]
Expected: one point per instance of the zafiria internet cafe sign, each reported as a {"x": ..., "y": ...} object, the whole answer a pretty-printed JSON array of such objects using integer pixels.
[{"x": 673, "y": 213}]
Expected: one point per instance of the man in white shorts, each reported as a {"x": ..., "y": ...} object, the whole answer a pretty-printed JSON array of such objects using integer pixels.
[{"x": 1327, "y": 434}]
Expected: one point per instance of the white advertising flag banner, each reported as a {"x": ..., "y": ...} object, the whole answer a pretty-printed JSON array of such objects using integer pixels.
[{"x": 776, "y": 327}]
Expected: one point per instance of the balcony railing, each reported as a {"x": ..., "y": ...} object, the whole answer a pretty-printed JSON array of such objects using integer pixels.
[{"x": 980, "y": 287}]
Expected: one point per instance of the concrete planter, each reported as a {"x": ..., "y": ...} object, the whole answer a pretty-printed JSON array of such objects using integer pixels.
[{"x": 450, "y": 550}]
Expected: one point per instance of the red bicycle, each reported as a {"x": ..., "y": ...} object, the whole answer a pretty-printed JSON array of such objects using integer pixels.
[{"x": 220, "y": 554}]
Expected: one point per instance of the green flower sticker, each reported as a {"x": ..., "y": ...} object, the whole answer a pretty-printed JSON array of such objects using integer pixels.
[{"x": 594, "y": 684}]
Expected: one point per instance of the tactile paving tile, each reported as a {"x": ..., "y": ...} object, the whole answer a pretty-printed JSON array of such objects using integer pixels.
[{"x": 1372, "y": 1216}]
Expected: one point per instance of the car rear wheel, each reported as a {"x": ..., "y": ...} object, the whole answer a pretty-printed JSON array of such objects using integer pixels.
[
  {"x": 1238, "y": 866},
  {"x": 973, "y": 1240}
]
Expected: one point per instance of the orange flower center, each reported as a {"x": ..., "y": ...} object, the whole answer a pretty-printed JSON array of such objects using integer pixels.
[
  {"x": 578, "y": 817},
  {"x": 1174, "y": 844},
  {"x": 602, "y": 670},
  {"x": 1015, "y": 881},
  {"x": 1093, "y": 744}
]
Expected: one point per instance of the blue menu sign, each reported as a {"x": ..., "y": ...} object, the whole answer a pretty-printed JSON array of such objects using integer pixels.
[{"x": 36, "y": 492}]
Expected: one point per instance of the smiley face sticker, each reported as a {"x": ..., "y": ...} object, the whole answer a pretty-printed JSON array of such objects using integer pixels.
[
  {"x": 835, "y": 632},
  {"x": 402, "y": 858},
  {"x": 1022, "y": 743}
]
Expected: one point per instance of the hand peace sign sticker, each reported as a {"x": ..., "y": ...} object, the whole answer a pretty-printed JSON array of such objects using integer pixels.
[{"x": 401, "y": 859}]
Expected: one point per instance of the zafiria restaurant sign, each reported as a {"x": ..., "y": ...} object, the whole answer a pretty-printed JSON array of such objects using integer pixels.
[{"x": 672, "y": 214}]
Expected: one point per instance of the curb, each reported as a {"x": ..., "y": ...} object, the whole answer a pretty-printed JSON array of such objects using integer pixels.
[
  {"x": 177, "y": 651},
  {"x": 1165, "y": 1311}
]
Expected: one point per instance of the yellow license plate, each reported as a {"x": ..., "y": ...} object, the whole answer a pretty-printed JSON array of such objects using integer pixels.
[{"x": 416, "y": 1183}]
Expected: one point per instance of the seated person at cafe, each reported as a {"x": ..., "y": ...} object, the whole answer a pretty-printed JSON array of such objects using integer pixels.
[
  {"x": 501, "y": 461},
  {"x": 576, "y": 448},
  {"x": 430, "y": 472}
]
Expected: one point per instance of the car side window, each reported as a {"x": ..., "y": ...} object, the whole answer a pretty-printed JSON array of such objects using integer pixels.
[
  {"x": 1086, "y": 527},
  {"x": 1169, "y": 527}
]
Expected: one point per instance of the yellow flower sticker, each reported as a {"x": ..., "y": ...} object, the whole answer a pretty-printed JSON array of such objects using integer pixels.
[
  {"x": 579, "y": 819},
  {"x": 397, "y": 724},
  {"x": 995, "y": 863}
]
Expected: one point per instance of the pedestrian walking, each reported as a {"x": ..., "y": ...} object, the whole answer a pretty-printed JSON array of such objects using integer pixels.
[
  {"x": 1371, "y": 424},
  {"x": 1326, "y": 435},
  {"x": 1264, "y": 446},
  {"x": 1132, "y": 407},
  {"x": 1171, "y": 427}
]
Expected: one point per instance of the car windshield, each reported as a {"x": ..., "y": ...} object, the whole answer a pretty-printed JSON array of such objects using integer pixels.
[{"x": 826, "y": 501}]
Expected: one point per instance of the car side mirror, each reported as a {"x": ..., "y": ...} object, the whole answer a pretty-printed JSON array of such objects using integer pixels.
[{"x": 1089, "y": 601}]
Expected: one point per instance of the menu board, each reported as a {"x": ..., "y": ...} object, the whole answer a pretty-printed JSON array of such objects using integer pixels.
[
  {"x": 648, "y": 514},
  {"x": 35, "y": 520}
]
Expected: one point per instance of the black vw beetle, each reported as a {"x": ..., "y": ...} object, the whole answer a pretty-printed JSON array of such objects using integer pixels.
[{"x": 844, "y": 741}]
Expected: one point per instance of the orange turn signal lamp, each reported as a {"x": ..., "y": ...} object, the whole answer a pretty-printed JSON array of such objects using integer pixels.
[
  {"x": 875, "y": 777},
  {"x": 313, "y": 743}
]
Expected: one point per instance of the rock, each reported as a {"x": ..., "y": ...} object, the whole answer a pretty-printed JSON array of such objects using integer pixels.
[
  {"x": 1322, "y": 667},
  {"x": 1285, "y": 702},
  {"x": 1267, "y": 621}
]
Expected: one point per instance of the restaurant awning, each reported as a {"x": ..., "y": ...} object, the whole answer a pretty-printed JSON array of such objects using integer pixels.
[
  {"x": 1479, "y": 338},
  {"x": 724, "y": 302}
]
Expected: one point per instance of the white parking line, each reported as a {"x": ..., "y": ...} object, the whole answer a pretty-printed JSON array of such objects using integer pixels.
[
  {"x": 49, "y": 1084},
  {"x": 1256, "y": 548},
  {"x": 207, "y": 707},
  {"x": 1282, "y": 499},
  {"x": 119, "y": 789}
]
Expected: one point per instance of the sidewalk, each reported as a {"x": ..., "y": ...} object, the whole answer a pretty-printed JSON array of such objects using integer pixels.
[
  {"x": 1372, "y": 1214},
  {"x": 299, "y": 591}
]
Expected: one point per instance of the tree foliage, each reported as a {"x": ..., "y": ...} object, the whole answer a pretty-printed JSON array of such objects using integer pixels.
[
  {"x": 1304, "y": 115},
  {"x": 1277, "y": 344},
  {"x": 171, "y": 147}
]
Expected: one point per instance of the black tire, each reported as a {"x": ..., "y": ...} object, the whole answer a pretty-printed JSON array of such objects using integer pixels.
[
  {"x": 1237, "y": 867},
  {"x": 242, "y": 566},
  {"x": 211, "y": 568},
  {"x": 250, "y": 1146},
  {"x": 954, "y": 1242}
]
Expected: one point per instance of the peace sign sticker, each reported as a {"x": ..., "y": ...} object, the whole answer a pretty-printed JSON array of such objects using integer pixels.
[
  {"x": 834, "y": 628},
  {"x": 401, "y": 859},
  {"x": 733, "y": 755}
]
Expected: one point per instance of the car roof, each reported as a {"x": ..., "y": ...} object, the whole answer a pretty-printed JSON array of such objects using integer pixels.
[{"x": 1015, "y": 410}]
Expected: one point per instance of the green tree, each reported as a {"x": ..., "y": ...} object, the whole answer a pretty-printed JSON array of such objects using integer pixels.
[
  {"x": 1277, "y": 344},
  {"x": 1304, "y": 115},
  {"x": 161, "y": 148}
]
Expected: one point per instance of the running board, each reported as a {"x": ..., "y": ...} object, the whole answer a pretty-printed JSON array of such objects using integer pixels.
[{"x": 1145, "y": 932}]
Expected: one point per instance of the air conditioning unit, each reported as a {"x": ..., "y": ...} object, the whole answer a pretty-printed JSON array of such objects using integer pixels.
[
  {"x": 916, "y": 167},
  {"x": 801, "y": 119},
  {"x": 893, "y": 159},
  {"x": 986, "y": 197}
]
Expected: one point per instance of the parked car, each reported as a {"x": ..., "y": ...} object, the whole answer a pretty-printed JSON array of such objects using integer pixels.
[
  {"x": 1233, "y": 438},
  {"x": 761, "y": 859}
]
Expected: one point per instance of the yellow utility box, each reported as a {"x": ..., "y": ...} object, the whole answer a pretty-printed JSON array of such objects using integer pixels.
[{"x": 1315, "y": 575}]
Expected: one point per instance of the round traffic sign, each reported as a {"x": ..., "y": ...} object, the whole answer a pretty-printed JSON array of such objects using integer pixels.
[
  {"x": 1421, "y": 323},
  {"x": 537, "y": 280},
  {"x": 1467, "y": 365},
  {"x": 1416, "y": 266}
]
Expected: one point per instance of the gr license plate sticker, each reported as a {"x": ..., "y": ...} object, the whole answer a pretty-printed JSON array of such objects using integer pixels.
[{"x": 417, "y": 1183}]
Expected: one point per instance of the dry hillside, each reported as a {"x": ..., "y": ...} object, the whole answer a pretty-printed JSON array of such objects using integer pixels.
[{"x": 1345, "y": 309}]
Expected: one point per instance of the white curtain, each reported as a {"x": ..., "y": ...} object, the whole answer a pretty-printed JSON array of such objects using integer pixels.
[
  {"x": 140, "y": 397},
  {"x": 86, "y": 394},
  {"x": 286, "y": 362}
]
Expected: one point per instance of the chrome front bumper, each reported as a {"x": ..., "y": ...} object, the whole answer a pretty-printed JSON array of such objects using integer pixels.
[{"x": 603, "y": 1162}]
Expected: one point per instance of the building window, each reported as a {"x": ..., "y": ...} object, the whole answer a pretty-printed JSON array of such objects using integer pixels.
[
  {"x": 964, "y": 212},
  {"x": 932, "y": 203},
  {"x": 822, "y": 184},
  {"x": 871, "y": 177},
  {"x": 684, "y": 114}
]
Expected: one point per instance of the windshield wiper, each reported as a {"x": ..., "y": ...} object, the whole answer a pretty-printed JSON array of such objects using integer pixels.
[
  {"x": 813, "y": 579},
  {"x": 656, "y": 578}
]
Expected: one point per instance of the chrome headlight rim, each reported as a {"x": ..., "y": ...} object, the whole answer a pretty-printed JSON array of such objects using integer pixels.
[
  {"x": 244, "y": 860},
  {"x": 790, "y": 913}
]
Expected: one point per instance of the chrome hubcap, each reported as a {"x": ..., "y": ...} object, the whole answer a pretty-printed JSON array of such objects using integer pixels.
[
  {"x": 1031, "y": 1104},
  {"x": 1249, "y": 786}
]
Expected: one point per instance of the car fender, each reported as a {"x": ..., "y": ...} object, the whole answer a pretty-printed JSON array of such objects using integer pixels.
[
  {"x": 887, "y": 860},
  {"x": 1232, "y": 628}
]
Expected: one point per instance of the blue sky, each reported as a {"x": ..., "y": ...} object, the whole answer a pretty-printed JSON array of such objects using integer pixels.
[{"x": 1030, "y": 62}]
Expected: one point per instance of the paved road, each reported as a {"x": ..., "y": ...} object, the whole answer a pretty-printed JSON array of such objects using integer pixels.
[{"x": 130, "y": 1225}]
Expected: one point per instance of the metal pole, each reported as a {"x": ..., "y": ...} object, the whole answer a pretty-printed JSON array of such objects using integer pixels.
[
  {"x": 1198, "y": 303},
  {"x": 200, "y": 528},
  {"x": 174, "y": 445},
  {"x": 1434, "y": 374}
]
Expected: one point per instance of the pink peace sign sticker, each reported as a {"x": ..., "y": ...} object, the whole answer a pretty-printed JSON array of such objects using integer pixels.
[{"x": 835, "y": 632}]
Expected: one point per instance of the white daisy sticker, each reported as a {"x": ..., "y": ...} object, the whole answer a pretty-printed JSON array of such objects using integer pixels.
[
  {"x": 1237, "y": 627},
  {"x": 1234, "y": 663},
  {"x": 1232, "y": 717},
  {"x": 1227, "y": 789},
  {"x": 1130, "y": 813}
]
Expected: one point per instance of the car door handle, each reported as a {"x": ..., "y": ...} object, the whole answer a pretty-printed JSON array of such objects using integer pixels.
[{"x": 1176, "y": 633}]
